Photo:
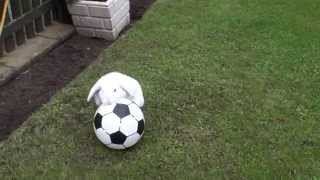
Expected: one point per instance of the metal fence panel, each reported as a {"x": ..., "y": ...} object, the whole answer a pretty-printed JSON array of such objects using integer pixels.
[{"x": 26, "y": 18}]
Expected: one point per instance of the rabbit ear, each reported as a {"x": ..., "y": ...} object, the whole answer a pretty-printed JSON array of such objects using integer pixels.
[
  {"x": 135, "y": 93},
  {"x": 95, "y": 88},
  {"x": 138, "y": 98}
]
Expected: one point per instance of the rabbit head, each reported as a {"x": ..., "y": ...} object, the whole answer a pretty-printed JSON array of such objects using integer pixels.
[{"x": 114, "y": 86}]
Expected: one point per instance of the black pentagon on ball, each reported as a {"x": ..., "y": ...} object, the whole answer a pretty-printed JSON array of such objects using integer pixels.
[
  {"x": 118, "y": 138},
  {"x": 97, "y": 121},
  {"x": 140, "y": 127},
  {"x": 121, "y": 110}
]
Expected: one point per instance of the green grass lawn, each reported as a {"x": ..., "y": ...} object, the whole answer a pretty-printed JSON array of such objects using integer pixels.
[{"x": 231, "y": 88}]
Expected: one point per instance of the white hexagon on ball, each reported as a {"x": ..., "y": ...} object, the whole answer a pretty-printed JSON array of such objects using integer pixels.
[
  {"x": 135, "y": 111},
  {"x": 116, "y": 146},
  {"x": 103, "y": 136},
  {"x": 129, "y": 125},
  {"x": 132, "y": 140},
  {"x": 103, "y": 110},
  {"x": 110, "y": 123}
]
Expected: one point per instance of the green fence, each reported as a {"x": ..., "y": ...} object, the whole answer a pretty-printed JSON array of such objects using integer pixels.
[{"x": 26, "y": 18}]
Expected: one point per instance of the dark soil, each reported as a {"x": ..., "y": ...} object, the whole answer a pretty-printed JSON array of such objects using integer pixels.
[{"x": 34, "y": 87}]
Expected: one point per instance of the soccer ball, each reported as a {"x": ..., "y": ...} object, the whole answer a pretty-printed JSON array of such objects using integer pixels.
[{"x": 119, "y": 125}]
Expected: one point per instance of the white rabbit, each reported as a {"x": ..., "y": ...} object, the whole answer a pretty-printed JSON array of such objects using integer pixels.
[{"x": 114, "y": 86}]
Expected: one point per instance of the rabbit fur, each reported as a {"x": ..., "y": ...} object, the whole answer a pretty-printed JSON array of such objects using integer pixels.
[{"x": 114, "y": 86}]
